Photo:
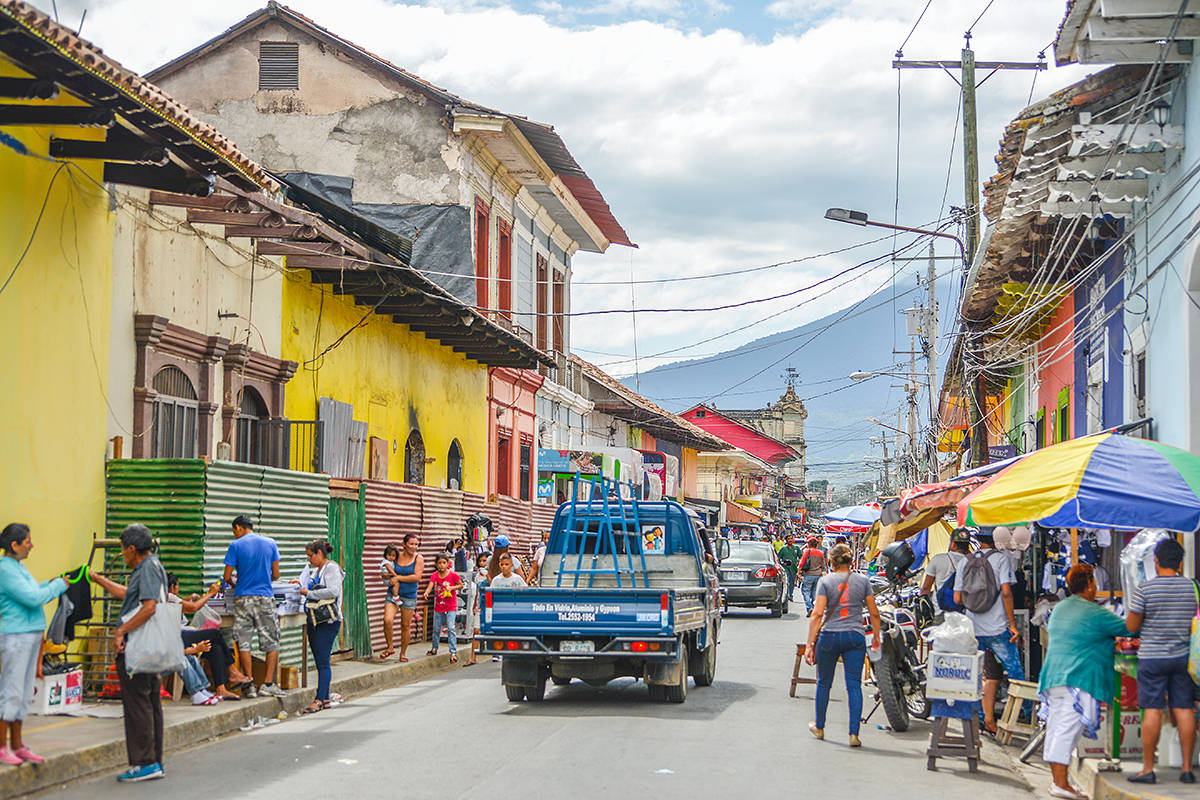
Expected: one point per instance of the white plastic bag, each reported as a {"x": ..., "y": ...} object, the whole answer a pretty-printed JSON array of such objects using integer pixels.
[
  {"x": 157, "y": 645},
  {"x": 205, "y": 618},
  {"x": 1137, "y": 559},
  {"x": 955, "y": 635}
]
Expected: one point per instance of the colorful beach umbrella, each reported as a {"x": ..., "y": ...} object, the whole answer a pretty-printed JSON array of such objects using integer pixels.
[
  {"x": 1103, "y": 481},
  {"x": 865, "y": 514}
]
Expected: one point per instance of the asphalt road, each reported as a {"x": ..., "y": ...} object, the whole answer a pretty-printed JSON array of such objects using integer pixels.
[{"x": 457, "y": 736}]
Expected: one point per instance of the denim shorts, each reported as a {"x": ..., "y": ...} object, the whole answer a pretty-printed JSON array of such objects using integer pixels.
[
  {"x": 1164, "y": 682},
  {"x": 404, "y": 602}
]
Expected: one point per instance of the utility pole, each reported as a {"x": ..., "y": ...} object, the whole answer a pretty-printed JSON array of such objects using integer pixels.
[
  {"x": 901, "y": 479},
  {"x": 972, "y": 387},
  {"x": 930, "y": 329}
]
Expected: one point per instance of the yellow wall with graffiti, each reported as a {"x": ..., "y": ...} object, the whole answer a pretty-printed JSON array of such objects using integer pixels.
[{"x": 396, "y": 379}]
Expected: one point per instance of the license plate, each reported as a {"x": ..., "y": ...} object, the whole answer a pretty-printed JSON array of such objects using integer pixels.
[
  {"x": 573, "y": 646},
  {"x": 736, "y": 576}
]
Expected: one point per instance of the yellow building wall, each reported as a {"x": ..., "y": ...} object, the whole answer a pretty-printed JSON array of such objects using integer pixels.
[
  {"x": 688, "y": 473},
  {"x": 397, "y": 379},
  {"x": 54, "y": 317}
]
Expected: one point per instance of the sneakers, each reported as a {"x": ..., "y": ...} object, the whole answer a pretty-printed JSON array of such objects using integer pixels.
[
  {"x": 25, "y": 754},
  {"x": 250, "y": 692},
  {"x": 146, "y": 773},
  {"x": 7, "y": 756},
  {"x": 271, "y": 690},
  {"x": 1066, "y": 794},
  {"x": 205, "y": 698}
]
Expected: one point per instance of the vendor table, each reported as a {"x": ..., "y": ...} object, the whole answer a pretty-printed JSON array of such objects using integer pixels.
[{"x": 295, "y": 620}]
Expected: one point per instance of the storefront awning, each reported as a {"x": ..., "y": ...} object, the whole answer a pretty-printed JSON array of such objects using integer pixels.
[{"x": 739, "y": 513}]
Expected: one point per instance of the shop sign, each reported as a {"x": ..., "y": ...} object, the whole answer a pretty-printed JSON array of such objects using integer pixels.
[
  {"x": 999, "y": 452},
  {"x": 569, "y": 461},
  {"x": 545, "y": 488}
]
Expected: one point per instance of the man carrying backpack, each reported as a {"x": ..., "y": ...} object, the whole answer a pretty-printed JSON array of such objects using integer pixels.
[
  {"x": 811, "y": 568},
  {"x": 939, "y": 574},
  {"x": 983, "y": 587}
]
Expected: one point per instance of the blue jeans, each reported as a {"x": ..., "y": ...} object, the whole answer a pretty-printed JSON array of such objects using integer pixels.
[
  {"x": 320, "y": 641},
  {"x": 851, "y": 646},
  {"x": 1006, "y": 653},
  {"x": 808, "y": 590},
  {"x": 193, "y": 675},
  {"x": 444, "y": 619},
  {"x": 791, "y": 582}
]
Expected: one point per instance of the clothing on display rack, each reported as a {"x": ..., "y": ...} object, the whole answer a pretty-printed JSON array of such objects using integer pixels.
[{"x": 74, "y": 606}]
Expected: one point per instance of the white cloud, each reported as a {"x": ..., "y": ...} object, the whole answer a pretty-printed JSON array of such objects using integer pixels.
[{"x": 716, "y": 150}]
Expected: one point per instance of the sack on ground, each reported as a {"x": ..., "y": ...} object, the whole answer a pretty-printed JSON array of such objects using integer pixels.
[
  {"x": 980, "y": 589},
  {"x": 157, "y": 645},
  {"x": 955, "y": 635}
]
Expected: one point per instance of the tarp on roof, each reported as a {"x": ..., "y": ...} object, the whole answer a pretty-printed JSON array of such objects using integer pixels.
[{"x": 440, "y": 234}]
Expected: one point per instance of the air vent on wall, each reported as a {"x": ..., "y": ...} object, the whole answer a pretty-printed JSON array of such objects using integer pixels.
[{"x": 278, "y": 65}]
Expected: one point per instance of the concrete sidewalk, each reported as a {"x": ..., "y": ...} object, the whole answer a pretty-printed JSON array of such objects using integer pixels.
[{"x": 76, "y": 747}]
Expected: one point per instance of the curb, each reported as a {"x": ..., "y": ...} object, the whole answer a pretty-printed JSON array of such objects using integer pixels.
[
  {"x": 1100, "y": 786},
  {"x": 110, "y": 755}
]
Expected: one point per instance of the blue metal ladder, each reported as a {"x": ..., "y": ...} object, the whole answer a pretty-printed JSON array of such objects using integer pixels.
[{"x": 595, "y": 518}]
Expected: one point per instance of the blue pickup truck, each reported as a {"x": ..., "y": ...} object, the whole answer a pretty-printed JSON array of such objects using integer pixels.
[{"x": 628, "y": 589}]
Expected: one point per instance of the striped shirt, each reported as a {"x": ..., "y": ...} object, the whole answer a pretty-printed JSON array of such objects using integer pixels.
[{"x": 1167, "y": 604}]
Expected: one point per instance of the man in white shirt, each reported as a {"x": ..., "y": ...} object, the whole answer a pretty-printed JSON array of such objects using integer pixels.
[{"x": 943, "y": 566}]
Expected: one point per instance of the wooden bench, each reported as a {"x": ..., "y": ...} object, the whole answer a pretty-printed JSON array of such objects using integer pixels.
[{"x": 1009, "y": 724}]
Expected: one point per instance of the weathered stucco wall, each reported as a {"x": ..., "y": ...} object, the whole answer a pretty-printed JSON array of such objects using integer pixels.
[
  {"x": 188, "y": 274},
  {"x": 347, "y": 118},
  {"x": 396, "y": 380}
]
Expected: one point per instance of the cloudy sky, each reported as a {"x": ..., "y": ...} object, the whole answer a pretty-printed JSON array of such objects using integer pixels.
[{"x": 718, "y": 131}]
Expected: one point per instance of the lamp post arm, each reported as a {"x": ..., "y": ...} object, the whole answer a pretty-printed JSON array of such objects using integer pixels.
[{"x": 962, "y": 250}]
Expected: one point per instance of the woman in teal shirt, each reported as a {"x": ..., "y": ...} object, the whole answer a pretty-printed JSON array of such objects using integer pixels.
[
  {"x": 1077, "y": 674},
  {"x": 22, "y": 623}
]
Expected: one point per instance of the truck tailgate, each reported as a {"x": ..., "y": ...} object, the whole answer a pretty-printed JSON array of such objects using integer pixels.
[{"x": 578, "y": 612}]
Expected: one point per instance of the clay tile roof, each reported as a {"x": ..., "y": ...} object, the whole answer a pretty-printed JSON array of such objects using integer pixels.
[
  {"x": 681, "y": 426},
  {"x": 544, "y": 139},
  {"x": 86, "y": 55}
]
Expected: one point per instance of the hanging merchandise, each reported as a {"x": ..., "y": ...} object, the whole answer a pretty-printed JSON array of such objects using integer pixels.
[
  {"x": 1137, "y": 559},
  {"x": 74, "y": 606}
]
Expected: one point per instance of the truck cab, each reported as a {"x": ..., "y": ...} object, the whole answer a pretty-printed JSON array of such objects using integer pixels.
[{"x": 628, "y": 588}]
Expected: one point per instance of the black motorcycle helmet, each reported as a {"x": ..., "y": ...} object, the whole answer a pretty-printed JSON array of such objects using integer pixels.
[{"x": 897, "y": 558}]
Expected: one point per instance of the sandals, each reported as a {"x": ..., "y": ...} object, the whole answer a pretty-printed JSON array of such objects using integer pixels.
[
  {"x": 453, "y": 659},
  {"x": 403, "y": 660},
  {"x": 386, "y": 654},
  {"x": 431, "y": 652},
  {"x": 316, "y": 706}
]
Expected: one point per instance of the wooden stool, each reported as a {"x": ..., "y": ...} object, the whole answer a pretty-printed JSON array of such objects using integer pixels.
[
  {"x": 1009, "y": 724},
  {"x": 796, "y": 679},
  {"x": 943, "y": 744}
]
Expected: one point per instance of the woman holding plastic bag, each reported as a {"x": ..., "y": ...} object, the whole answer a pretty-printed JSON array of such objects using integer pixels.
[{"x": 147, "y": 643}]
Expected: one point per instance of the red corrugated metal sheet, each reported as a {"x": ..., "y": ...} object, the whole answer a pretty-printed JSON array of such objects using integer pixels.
[
  {"x": 391, "y": 511},
  {"x": 596, "y": 207}
]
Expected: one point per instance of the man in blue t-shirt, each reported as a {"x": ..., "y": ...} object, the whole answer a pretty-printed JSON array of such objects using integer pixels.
[{"x": 255, "y": 560}]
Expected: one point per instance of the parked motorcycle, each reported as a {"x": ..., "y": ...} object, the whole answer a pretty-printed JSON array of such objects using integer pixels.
[{"x": 899, "y": 673}]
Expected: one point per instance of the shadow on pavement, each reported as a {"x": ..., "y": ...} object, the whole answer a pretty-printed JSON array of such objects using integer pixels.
[{"x": 628, "y": 698}]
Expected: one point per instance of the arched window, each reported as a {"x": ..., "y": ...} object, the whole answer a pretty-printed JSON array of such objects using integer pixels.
[
  {"x": 414, "y": 458},
  {"x": 175, "y": 411},
  {"x": 250, "y": 436},
  {"x": 454, "y": 466}
]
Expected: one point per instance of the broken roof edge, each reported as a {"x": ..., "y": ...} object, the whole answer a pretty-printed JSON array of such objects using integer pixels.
[
  {"x": 548, "y": 144},
  {"x": 687, "y": 428}
]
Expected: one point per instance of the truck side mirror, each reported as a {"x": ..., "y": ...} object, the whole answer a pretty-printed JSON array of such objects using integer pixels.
[{"x": 722, "y": 549}]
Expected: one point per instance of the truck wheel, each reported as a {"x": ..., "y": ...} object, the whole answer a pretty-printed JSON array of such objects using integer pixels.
[
  {"x": 708, "y": 664},
  {"x": 537, "y": 692},
  {"x": 559, "y": 681},
  {"x": 656, "y": 692},
  {"x": 677, "y": 693},
  {"x": 515, "y": 693}
]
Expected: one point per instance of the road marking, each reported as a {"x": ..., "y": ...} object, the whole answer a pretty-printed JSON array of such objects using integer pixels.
[{"x": 71, "y": 721}]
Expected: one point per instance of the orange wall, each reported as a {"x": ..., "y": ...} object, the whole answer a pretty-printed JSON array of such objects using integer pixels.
[
  {"x": 512, "y": 406},
  {"x": 1056, "y": 365},
  {"x": 688, "y": 472}
]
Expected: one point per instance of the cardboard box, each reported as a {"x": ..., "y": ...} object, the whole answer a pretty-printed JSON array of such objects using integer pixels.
[
  {"x": 58, "y": 694},
  {"x": 954, "y": 676},
  {"x": 1130, "y": 732}
]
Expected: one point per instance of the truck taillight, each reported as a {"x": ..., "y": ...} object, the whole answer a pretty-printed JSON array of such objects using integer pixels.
[
  {"x": 487, "y": 607},
  {"x": 766, "y": 572},
  {"x": 514, "y": 645},
  {"x": 487, "y": 599},
  {"x": 666, "y": 601},
  {"x": 638, "y": 647},
  {"x": 663, "y": 615}
]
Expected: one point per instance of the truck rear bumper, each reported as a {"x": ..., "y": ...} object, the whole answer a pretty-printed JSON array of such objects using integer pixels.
[{"x": 652, "y": 648}]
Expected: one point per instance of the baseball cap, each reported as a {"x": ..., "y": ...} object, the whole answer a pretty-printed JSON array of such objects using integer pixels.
[
  {"x": 960, "y": 535},
  {"x": 501, "y": 541}
]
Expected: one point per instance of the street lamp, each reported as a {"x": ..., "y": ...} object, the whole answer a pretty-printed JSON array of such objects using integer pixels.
[
  {"x": 860, "y": 218},
  {"x": 860, "y": 375},
  {"x": 889, "y": 427}
]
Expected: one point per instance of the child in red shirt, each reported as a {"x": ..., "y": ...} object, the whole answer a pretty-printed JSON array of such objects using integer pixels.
[{"x": 444, "y": 585}]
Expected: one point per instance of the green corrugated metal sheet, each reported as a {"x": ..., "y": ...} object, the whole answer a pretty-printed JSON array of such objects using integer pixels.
[
  {"x": 346, "y": 525},
  {"x": 166, "y": 495},
  {"x": 290, "y": 507}
]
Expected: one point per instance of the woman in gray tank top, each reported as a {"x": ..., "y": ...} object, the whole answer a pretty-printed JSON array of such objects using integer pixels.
[{"x": 836, "y": 631}]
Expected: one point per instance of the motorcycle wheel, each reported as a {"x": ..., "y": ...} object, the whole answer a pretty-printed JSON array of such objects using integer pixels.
[
  {"x": 891, "y": 694},
  {"x": 918, "y": 705}
]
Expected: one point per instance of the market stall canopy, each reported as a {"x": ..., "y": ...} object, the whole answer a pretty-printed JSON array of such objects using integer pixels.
[
  {"x": 937, "y": 495},
  {"x": 842, "y": 526},
  {"x": 1103, "y": 481},
  {"x": 863, "y": 515},
  {"x": 886, "y": 534}
]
